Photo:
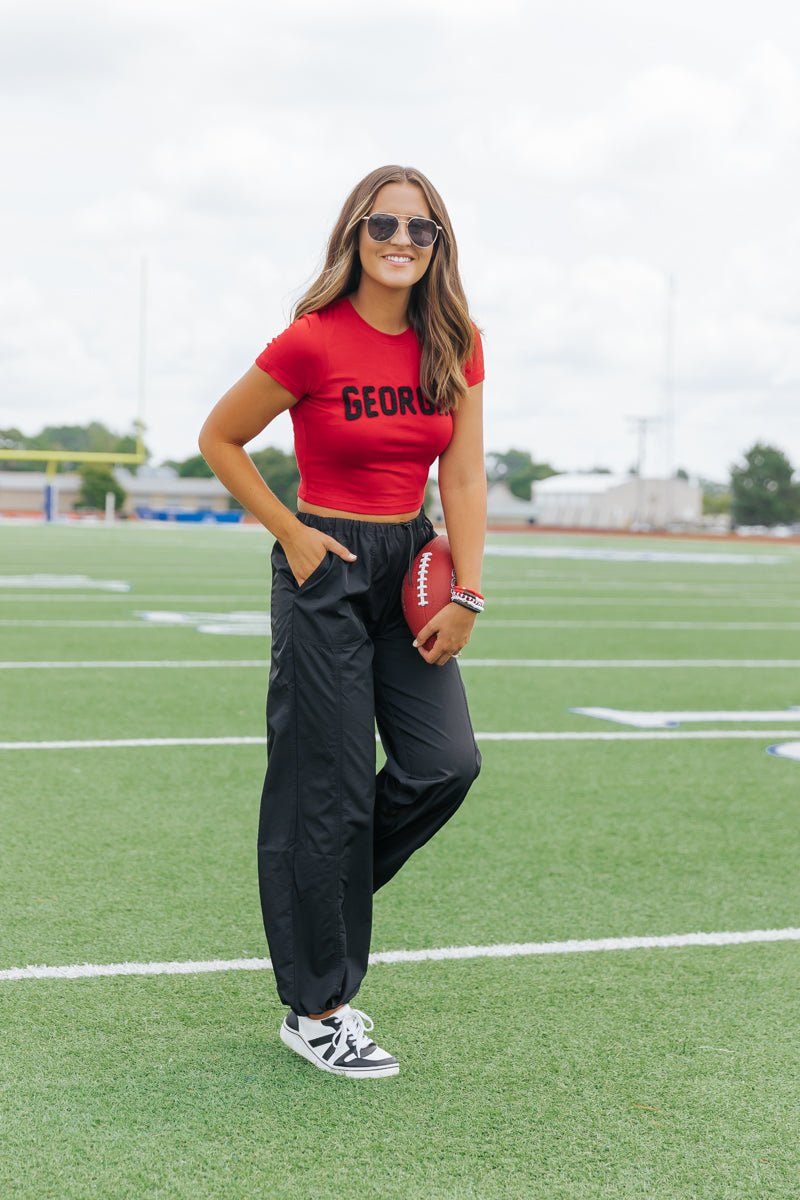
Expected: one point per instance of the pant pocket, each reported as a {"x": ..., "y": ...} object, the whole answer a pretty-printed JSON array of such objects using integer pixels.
[
  {"x": 281, "y": 563},
  {"x": 319, "y": 572}
]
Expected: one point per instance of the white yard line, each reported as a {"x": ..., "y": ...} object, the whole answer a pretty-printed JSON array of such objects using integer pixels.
[
  {"x": 26, "y": 623},
  {"x": 609, "y": 554},
  {"x": 639, "y": 601},
  {"x": 148, "y": 663},
  {"x": 670, "y": 941},
  {"x": 719, "y": 625},
  {"x": 568, "y": 735},
  {"x": 536, "y": 581},
  {"x": 634, "y": 664},
  {"x": 135, "y": 597},
  {"x": 574, "y": 735},
  {"x": 135, "y": 743},
  {"x": 632, "y": 601},
  {"x": 486, "y": 623},
  {"x": 63, "y": 582}
]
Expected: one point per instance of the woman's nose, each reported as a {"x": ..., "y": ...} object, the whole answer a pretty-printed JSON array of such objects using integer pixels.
[{"x": 400, "y": 237}]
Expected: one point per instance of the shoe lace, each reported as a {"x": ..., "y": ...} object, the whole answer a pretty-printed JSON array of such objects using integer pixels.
[{"x": 352, "y": 1031}]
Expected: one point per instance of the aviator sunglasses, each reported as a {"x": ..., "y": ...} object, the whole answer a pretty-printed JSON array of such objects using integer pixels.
[{"x": 383, "y": 226}]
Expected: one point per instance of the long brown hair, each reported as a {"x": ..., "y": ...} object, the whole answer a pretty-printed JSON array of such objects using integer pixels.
[{"x": 437, "y": 308}]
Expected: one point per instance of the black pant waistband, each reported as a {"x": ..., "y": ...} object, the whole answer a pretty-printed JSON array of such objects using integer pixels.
[
  {"x": 352, "y": 532},
  {"x": 331, "y": 524}
]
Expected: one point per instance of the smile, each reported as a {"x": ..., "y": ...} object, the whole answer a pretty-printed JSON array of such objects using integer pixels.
[{"x": 398, "y": 259}]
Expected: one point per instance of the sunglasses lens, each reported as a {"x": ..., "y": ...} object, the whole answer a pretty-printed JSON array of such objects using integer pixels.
[
  {"x": 381, "y": 226},
  {"x": 422, "y": 231}
]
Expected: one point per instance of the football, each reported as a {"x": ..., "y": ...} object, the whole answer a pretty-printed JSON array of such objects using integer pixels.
[{"x": 429, "y": 586}]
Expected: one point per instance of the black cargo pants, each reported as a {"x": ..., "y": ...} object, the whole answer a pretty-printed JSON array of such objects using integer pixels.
[{"x": 331, "y": 832}]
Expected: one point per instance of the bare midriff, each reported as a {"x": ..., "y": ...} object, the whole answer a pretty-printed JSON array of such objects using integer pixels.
[{"x": 392, "y": 518}]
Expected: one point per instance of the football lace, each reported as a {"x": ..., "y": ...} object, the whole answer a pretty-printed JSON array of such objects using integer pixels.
[{"x": 422, "y": 579}]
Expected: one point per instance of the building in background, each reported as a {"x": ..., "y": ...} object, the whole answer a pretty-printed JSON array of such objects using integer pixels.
[
  {"x": 576, "y": 501},
  {"x": 617, "y": 502},
  {"x": 22, "y": 492},
  {"x": 502, "y": 506},
  {"x": 594, "y": 501}
]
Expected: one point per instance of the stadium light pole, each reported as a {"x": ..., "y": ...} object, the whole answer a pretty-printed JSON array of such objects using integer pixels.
[
  {"x": 139, "y": 422},
  {"x": 641, "y": 425},
  {"x": 669, "y": 378}
]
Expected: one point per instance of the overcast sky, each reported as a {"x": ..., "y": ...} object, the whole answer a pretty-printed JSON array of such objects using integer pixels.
[{"x": 587, "y": 152}]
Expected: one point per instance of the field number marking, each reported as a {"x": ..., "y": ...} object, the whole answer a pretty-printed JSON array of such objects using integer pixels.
[{"x": 786, "y": 750}]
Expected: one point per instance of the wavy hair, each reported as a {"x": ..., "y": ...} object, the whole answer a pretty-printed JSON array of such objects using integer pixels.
[{"x": 437, "y": 308}]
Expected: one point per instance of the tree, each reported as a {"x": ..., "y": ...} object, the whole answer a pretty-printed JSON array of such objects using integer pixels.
[
  {"x": 95, "y": 436},
  {"x": 194, "y": 467},
  {"x": 517, "y": 470},
  {"x": 716, "y": 498},
  {"x": 15, "y": 439},
  {"x": 11, "y": 439},
  {"x": 716, "y": 505},
  {"x": 762, "y": 491},
  {"x": 279, "y": 471},
  {"x": 276, "y": 467},
  {"x": 96, "y": 480}
]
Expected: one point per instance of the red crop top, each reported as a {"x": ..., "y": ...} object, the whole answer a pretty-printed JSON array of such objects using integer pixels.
[{"x": 365, "y": 434}]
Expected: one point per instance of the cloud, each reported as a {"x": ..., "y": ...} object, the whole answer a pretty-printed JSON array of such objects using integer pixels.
[
  {"x": 581, "y": 167},
  {"x": 41, "y": 350},
  {"x": 663, "y": 125},
  {"x": 48, "y": 48}
]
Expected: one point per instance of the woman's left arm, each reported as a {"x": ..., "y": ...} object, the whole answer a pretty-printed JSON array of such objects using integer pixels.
[{"x": 462, "y": 488}]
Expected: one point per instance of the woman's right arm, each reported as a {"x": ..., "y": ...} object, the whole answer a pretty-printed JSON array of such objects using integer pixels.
[{"x": 244, "y": 411}]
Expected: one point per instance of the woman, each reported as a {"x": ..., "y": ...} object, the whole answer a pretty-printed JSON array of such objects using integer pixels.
[{"x": 381, "y": 369}]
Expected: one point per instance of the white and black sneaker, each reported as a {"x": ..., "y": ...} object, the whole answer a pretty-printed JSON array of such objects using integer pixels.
[{"x": 338, "y": 1044}]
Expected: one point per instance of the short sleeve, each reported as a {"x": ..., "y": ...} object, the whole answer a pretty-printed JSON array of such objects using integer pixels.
[
  {"x": 296, "y": 358},
  {"x": 473, "y": 367}
]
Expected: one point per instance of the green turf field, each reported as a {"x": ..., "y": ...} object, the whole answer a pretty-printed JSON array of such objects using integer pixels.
[{"x": 663, "y": 1073}]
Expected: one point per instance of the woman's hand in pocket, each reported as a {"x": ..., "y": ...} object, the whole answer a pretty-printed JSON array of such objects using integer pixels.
[{"x": 306, "y": 549}]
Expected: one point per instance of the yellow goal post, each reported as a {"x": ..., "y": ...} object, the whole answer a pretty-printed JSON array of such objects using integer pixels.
[{"x": 53, "y": 457}]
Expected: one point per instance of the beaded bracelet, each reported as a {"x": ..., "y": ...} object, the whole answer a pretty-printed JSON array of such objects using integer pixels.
[
  {"x": 467, "y": 598},
  {"x": 470, "y": 591}
]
